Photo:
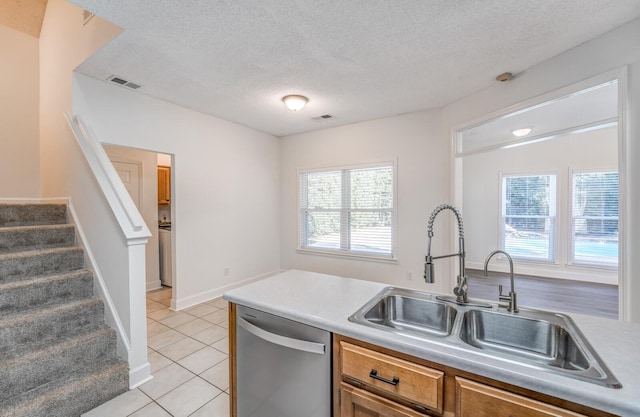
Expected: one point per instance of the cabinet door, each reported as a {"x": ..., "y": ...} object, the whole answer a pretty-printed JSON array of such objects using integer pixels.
[
  {"x": 164, "y": 185},
  {"x": 479, "y": 400},
  {"x": 359, "y": 403}
]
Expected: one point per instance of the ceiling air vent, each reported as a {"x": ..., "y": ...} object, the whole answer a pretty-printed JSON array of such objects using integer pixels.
[
  {"x": 121, "y": 81},
  {"x": 321, "y": 118}
]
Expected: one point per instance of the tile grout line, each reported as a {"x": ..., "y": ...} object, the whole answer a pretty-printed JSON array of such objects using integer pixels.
[
  {"x": 203, "y": 360},
  {"x": 195, "y": 375}
]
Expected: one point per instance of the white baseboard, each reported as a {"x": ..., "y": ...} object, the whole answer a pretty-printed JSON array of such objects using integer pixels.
[
  {"x": 182, "y": 303},
  {"x": 573, "y": 273},
  {"x": 140, "y": 375},
  {"x": 154, "y": 285}
]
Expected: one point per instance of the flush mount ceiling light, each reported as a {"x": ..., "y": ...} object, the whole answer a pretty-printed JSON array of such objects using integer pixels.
[
  {"x": 295, "y": 102},
  {"x": 521, "y": 132}
]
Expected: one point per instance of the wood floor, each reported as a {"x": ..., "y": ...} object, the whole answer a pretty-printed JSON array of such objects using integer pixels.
[{"x": 548, "y": 293}]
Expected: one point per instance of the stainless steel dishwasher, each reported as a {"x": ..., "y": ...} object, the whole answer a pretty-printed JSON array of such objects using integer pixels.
[{"x": 283, "y": 367}]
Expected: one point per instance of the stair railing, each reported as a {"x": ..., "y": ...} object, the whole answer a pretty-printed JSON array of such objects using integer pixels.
[
  {"x": 132, "y": 340},
  {"x": 123, "y": 207}
]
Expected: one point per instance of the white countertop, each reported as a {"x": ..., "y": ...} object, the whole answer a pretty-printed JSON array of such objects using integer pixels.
[{"x": 326, "y": 302}]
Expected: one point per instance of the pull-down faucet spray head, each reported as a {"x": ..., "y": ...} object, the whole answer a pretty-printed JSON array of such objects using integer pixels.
[
  {"x": 429, "y": 270},
  {"x": 428, "y": 266}
]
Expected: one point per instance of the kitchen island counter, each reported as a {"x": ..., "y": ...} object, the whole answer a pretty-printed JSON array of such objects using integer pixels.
[{"x": 327, "y": 301}]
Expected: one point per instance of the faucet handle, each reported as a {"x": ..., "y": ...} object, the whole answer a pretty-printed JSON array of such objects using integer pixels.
[
  {"x": 503, "y": 297},
  {"x": 510, "y": 299}
]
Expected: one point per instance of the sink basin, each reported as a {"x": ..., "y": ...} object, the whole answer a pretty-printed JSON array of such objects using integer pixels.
[
  {"x": 542, "y": 339},
  {"x": 407, "y": 312},
  {"x": 538, "y": 339}
]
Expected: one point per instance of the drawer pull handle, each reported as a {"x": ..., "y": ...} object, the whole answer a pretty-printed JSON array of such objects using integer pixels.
[{"x": 374, "y": 374}]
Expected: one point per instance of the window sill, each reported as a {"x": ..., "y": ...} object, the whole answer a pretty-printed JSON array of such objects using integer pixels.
[{"x": 352, "y": 255}]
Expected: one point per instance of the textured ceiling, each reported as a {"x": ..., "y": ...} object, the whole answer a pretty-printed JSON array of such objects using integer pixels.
[{"x": 355, "y": 59}]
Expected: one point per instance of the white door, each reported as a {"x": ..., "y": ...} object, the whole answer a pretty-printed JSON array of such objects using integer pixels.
[{"x": 129, "y": 173}]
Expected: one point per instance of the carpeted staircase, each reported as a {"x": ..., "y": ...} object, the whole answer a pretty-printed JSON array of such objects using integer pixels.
[{"x": 57, "y": 357}]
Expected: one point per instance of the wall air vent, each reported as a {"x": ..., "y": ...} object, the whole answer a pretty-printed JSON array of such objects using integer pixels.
[
  {"x": 121, "y": 81},
  {"x": 323, "y": 117}
]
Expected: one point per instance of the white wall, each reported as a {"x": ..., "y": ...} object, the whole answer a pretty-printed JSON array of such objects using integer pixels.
[
  {"x": 422, "y": 184},
  {"x": 19, "y": 102},
  {"x": 225, "y": 181},
  {"x": 148, "y": 203},
  {"x": 608, "y": 52},
  {"x": 481, "y": 193}
]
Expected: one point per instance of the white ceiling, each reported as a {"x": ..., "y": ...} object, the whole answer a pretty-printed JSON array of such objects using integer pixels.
[
  {"x": 577, "y": 111},
  {"x": 355, "y": 59}
]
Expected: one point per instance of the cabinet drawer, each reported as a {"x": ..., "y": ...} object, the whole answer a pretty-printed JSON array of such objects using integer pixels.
[
  {"x": 359, "y": 403},
  {"x": 409, "y": 381},
  {"x": 479, "y": 400}
]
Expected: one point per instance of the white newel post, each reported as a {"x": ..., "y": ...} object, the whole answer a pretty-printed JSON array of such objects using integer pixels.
[{"x": 140, "y": 370}]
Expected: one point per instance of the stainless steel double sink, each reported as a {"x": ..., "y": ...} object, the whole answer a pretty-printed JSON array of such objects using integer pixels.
[{"x": 540, "y": 339}]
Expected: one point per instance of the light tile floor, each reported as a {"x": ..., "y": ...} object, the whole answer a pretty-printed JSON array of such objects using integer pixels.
[{"x": 189, "y": 355}]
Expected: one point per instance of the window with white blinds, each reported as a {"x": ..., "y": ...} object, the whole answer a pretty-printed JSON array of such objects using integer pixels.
[
  {"x": 594, "y": 218},
  {"x": 348, "y": 210},
  {"x": 529, "y": 216}
]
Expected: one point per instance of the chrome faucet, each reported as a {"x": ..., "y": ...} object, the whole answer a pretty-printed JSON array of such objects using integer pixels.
[
  {"x": 512, "y": 298},
  {"x": 460, "y": 290}
]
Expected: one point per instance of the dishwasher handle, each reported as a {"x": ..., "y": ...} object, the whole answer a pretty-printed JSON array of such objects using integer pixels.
[{"x": 303, "y": 345}]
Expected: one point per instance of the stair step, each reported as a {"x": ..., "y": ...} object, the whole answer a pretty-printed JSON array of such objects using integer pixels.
[
  {"x": 22, "y": 333},
  {"x": 57, "y": 357},
  {"x": 58, "y": 361},
  {"x": 82, "y": 392},
  {"x": 20, "y": 296},
  {"x": 32, "y": 214},
  {"x": 24, "y": 265},
  {"x": 22, "y": 238}
]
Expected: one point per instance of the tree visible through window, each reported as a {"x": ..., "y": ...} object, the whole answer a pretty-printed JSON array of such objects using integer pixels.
[
  {"x": 349, "y": 210},
  {"x": 529, "y": 217}
]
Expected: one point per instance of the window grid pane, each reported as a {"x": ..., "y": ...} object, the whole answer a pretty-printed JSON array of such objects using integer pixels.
[
  {"x": 323, "y": 230},
  {"x": 528, "y": 216},
  {"x": 371, "y": 232},
  {"x": 595, "y": 218},
  {"x": 350, "y": 210}
]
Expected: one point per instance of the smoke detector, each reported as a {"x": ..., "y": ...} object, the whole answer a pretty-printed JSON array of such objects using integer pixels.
[{"x": 505, "y": 76}]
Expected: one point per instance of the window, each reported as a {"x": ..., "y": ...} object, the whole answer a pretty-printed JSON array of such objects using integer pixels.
[
  {"x": 594, "y": 222},
  {"x": 529, "y": 216},
  {"x": 348, "y": 210}
]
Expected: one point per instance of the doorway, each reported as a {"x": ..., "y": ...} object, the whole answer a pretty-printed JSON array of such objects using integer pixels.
[
  {"x": 541, "y": 181},
  {"x": 165, "y": 222},
  {"x": 139, "y": 170}
]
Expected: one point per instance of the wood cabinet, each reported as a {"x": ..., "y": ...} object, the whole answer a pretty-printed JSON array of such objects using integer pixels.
[
  {"x": 403, "y": 385},
  {"x": 414, "y": 383},
  {"x": 480, "y": 400},
  {"x": 360, "y": 403},
  {"x": 164, "y": 185}
]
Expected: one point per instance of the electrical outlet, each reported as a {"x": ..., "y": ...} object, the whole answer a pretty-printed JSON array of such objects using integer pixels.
[
  {"x": 226, "y": 272},
  {"x": 410, "y": 275}
]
